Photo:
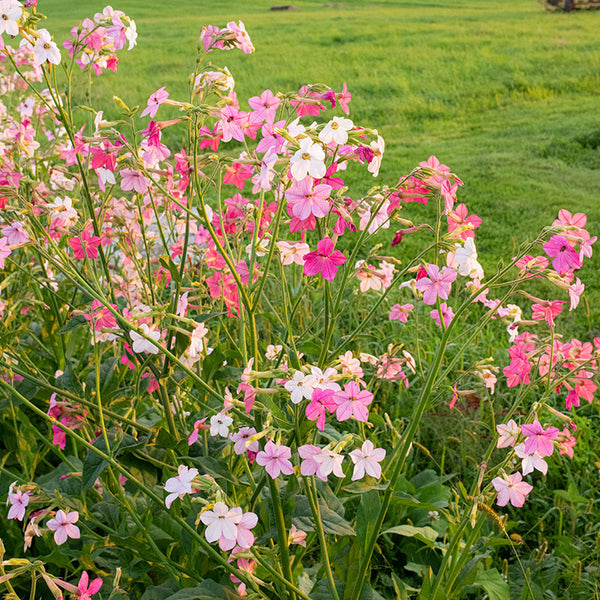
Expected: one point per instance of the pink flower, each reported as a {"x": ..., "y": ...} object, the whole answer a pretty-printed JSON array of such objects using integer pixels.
[
  {"x": 275, "y": 459},
  {"x": 352, "y": 402},
  {"x": 297, "y": 536},
  {"x": 447, "y": 314},
  {"x": 538, "y": 439},
  {"x": 154, "y": 102},
  {"x": 437, "y": 284},
  {"x": 180, "y": 485},
  {"x": 15, "y": 233},
  {"x": 547, "y": 310},
  {"x": 511, "y": 488},
  {"x": 575, "y": 291},
  {"x": 400, "y": 312},
  {"x": 230, "y": 124},
  {"x": 309, "y": 465},
  {"x": 265, "y": 106},
  {"x": 240, "y": 440},
  {"x": 459, "y": 219},
  {"x": 86, "y": 592},
  {"x": 198, "y": 425},
  {"x": 133, "y": 180},
  {"x": 4, "y": 250},
  {"x": 86, "y": 245},
  {"x": 366, "y": 460},
  {"x": 329, "y": 462},
  {"x": 18, "y": 504},
  {"x": 293, "y": 252},
  {"x": 307, "y": 200},
  {"x": 325, "y": 260},
  {"x": 566, "y": 257},
  {"x": 63, "y": 527},
  {"x": 321, "y": 402}
]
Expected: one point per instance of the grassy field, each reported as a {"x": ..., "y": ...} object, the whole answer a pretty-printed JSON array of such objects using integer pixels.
[{"x": 503, "y": 92}]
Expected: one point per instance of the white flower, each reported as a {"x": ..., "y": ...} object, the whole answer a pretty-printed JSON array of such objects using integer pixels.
[
  {"x": 10, "y": 13},
  {"x": 273, "y": 352},
  {"x": 323, "y": 380},
  {"x": 131, "y": 34},
  {"x": 329, "y": 462},
  {"x": 300, "y": 387},
  {"x": 219, "y": 424},
  {"x": 336, "y": 131},
  {"x": 531, "y": 461},
  {"x": 466, "y": 259},
  {"x": 45, "y": 49},
  {"x": 309, "y": 160},
  {"x": 141, "y": 344},
  {"x": 197, "y": 340},
  {"x": 366, "y": 460},
  {"x": 293, "y": 252}
]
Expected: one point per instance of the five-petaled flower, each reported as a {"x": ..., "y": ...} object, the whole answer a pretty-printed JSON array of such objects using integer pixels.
[
  {"x": 324, "y": 260},
  {"x": 63, "y": 526}
]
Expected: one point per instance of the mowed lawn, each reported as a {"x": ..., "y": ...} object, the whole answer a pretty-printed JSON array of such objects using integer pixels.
[{"x": 505, "y": 93}]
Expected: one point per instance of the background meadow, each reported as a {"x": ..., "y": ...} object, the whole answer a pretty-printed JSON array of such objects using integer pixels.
[{"x": 503, "y": 92}]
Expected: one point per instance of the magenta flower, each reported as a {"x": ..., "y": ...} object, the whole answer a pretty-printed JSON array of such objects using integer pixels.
[
  {"x": 436, "y": 284},
  {"x": 565, "y": 256},
  {"x": 400, "y": 312},
  {"x": 325, "y": 260},
  {"x": 154, "y": 102},
  {"x": 511, "y": 489},
  {"x": 86, "y": 245},
  {"x": 352, "y": 402},
  {"x": 86, "y": 592},
  {"x": 366, "y": 460},
  {"x": 63, "y": 527},
  {"x": 264, "y": 106},
  {"x": 321, "y": 402},
  {"x": 539, "y": 439},
  {"x": 275, "y": 459}
]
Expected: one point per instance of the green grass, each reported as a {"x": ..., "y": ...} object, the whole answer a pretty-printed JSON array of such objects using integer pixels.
[{"x": 503, "y": 92}]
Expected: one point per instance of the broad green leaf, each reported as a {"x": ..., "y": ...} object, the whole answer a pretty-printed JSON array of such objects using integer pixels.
[
  {"x": 207, "y": 590},
  {"x": 494, "y": 585},
  {"x": 427, "y": 535},
  {"x": 71, "y": 324},
  {"x": 368, "y": 509}
]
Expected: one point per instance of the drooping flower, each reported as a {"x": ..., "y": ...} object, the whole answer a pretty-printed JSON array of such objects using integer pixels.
[
  {"x": 63, "y": 526},
  {"x": 366, "y": 460},
  {"x": 324, "y": 260},
  {"x": 155, "y": 100},
  {"x": 275, "y": 459},
  {"x": 511, "y": 488},
  {"x": 297, "y": 536},
  {"x": 180, "y": 485}
]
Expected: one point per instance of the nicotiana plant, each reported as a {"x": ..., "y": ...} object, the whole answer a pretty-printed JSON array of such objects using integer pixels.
[{"x": 197, "y": 388}]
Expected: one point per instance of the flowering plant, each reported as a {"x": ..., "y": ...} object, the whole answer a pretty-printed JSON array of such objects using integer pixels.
[{"x": 188, "y": 338}]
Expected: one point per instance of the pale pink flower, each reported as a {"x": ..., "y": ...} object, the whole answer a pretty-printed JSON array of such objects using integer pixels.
[
  {"x": 180, "y": 485},
  {"x": 530, "y": 461},
  {"x": 63, "y": 526},
  {"x": 309, "y": 465},
  {"x": 366, "y": 460},
  {"x": 18, "y": 504},
  {"x": 350, "y": 365},
  {"x": 275, "y": 459},
  {"x": 400, "y": 312},
  {"x": 539, "y": 439},
  {"x": 575, "y": 291},
  {"x": 297, "y": 536},
  {"x": 293, "y": 252},
  {"x": 197, "y": 340},
  {"x": 15, "y": 234},
  {"x": 155, "y": 100},
  {"x": 377, "y": 148},
  {"x": 436, "y": 284},
  {"x": 329, "y": 462},
  {"x": 447, "y": 314},
  {"x": 221, "y": 523},
  {"x": 307, "y": 199},
  {"x": 133, "y": 180},
  {"x": 308, "y": 160},
  {"x": 264, "y": 106},
  {"x": 511, "y": 488},
  {"x": 240, "y": 440},
  {"x": 4, "y": 251},
  {"x": 352, "y": 402}
]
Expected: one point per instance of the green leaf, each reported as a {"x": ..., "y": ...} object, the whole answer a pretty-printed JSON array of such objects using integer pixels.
[
  {"x": 333, "y": 523},
  {"x": 207, "y": 590},
  {"x": 164, "y": 439},
  {"x": 368, "y": 509},
  {"x": 168, "y": 264},
  {"x": 93, "y": 465},
  {"x": 71, "y": 324},
  {"x": 494, "y": 585},
  {"x": 427, "y": 535}
]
